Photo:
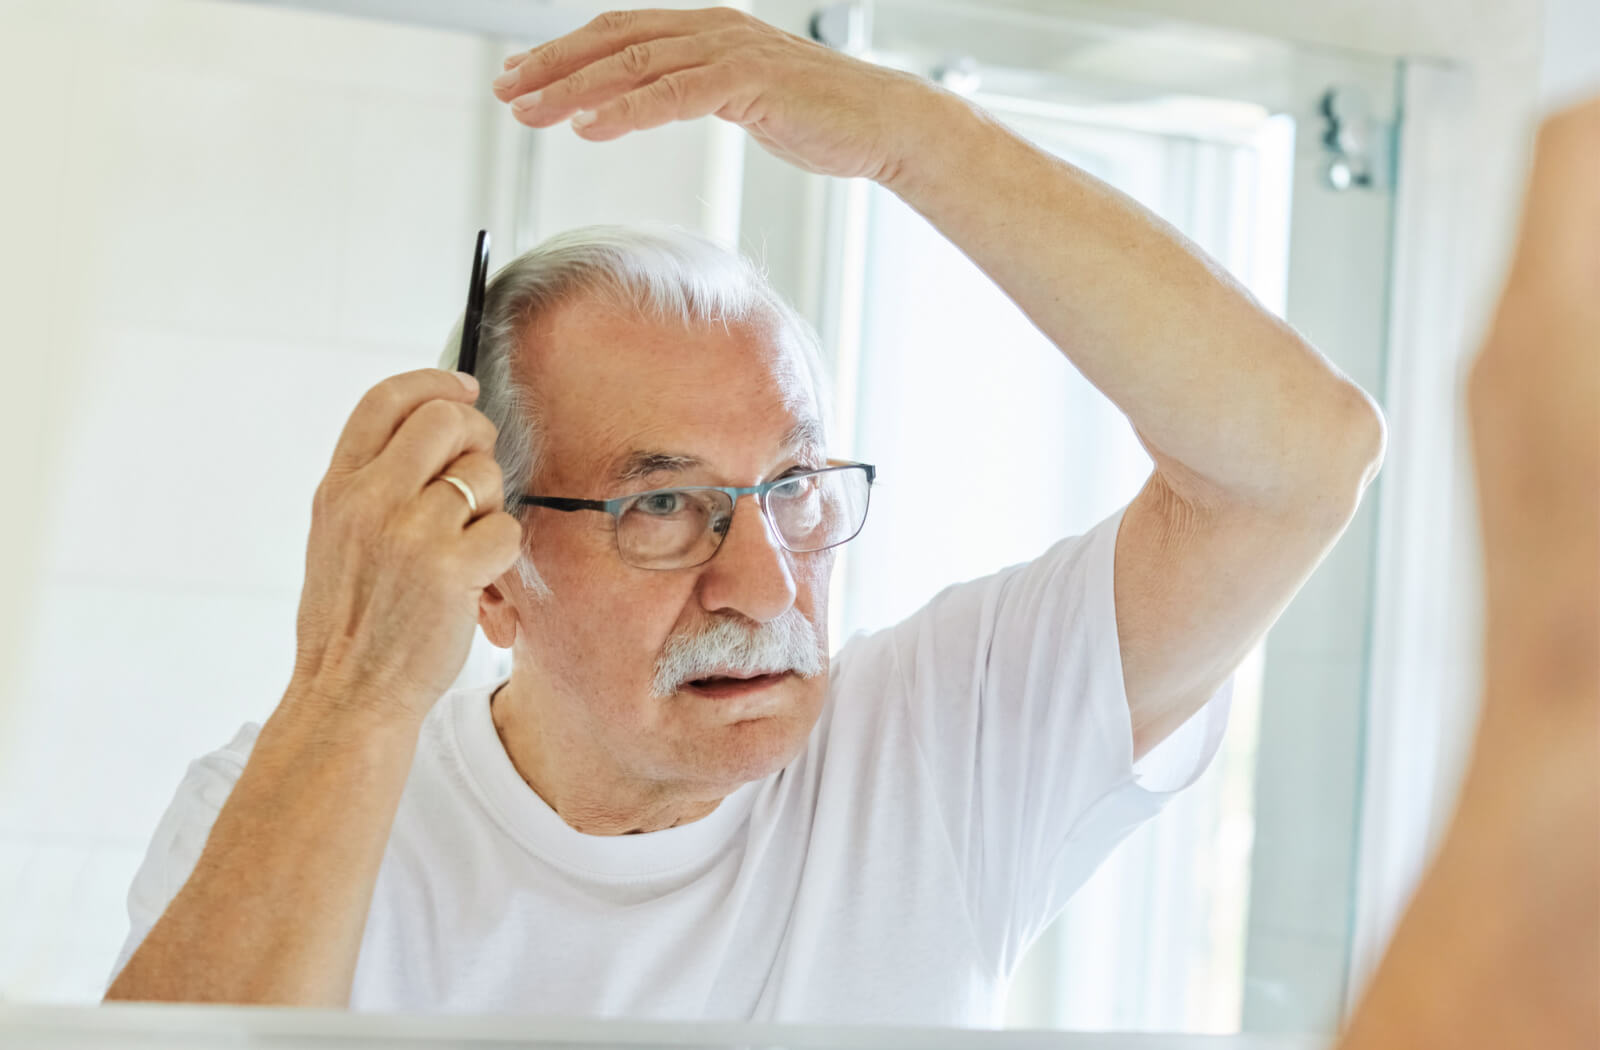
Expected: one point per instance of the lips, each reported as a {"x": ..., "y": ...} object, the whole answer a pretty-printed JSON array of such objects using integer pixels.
[{"x": 729, "y": 685}]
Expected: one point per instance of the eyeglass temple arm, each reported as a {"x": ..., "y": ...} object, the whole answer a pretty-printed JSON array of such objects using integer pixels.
[{"x": 561, "y": 503}]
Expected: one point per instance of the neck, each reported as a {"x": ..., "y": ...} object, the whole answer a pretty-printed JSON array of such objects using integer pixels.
[{"x": 578, "y": 781}]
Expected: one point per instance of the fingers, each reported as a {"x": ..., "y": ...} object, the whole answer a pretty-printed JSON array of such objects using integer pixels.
[
  {"x": 430, "y": 543},
  {"x": 489, "y": 547},
  {"x": 684, "y": 95},
  {"x": 384, "y": 408},
  {"x": 478, "y": 471},
  {"x": 605, "y": 36},
  {"x": 434, "y": 435},
  {"x": 606, "y": 79}
]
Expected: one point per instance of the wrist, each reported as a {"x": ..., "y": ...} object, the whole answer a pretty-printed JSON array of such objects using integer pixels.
[
  {"x": 934, "y": 129},
  {"x": 339, "y": 709}
]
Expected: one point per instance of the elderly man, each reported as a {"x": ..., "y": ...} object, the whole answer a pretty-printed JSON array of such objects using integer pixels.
[{"x": 677, "y": 805}]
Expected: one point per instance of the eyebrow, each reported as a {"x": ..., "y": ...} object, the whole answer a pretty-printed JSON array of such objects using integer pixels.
[{"x": 641, "y": 463}]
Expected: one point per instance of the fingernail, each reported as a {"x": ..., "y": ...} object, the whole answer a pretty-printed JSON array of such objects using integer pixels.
[
  {"x": 584, "y": 118},
  {"x": 504, "y": 80},
  {"x": 514, "y": 61},
  {"x": 525, "y": 102},
  {"x": 468, "y": 381}
]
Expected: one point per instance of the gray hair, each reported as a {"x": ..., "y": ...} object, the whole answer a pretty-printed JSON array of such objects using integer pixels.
[
  {"x": 734, "y": 646},
  {"x": 662, "y": 273}
]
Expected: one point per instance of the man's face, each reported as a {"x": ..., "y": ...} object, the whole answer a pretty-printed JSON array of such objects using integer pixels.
[{"x": 707, "y": 405}]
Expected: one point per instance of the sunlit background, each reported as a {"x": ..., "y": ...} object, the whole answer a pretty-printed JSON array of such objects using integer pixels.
[{"x": 221, "y": 221}]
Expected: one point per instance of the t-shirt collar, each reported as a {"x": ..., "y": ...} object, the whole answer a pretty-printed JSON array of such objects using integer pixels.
[{"x": 529, "y": 819}]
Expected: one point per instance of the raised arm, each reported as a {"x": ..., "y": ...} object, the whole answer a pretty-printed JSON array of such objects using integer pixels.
[{"x": 1261, "y": 447}]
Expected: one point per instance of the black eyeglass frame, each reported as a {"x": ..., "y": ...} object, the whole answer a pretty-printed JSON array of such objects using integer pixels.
[{"x": 614, "y": 507}]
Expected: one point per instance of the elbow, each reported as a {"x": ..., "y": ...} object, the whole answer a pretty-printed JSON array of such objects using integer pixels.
[
  {"x": 1357, "y": 442},
  {"x": 1345, "y": 455},
  {"x": 1364, "y": 435}
]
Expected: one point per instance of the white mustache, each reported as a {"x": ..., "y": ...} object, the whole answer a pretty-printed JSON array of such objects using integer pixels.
[{"x": 788, "y": 643}]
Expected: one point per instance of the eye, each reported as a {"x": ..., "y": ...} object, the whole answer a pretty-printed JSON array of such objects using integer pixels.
[
  {"x": 801, "y": 483},
  {"x": 660, "y": 503}
]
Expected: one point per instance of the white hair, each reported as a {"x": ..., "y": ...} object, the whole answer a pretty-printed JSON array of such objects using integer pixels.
[
  {"x": 732, "y": 647},
  {"x": 663, "y": 273}
]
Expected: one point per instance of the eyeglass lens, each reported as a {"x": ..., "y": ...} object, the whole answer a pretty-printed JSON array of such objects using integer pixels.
[{"x": 678, "y": 528}]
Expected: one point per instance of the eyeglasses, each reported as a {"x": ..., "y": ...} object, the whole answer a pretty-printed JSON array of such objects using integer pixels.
[{"x": 683, "y": 527}]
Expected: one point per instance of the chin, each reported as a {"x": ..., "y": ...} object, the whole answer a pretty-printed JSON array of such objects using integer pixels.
[
  {"x": 750, "y": 750},
  {"x": 727, "y": 742}
]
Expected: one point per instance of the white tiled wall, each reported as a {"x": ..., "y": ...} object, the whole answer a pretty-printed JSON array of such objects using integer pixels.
[{"x": 220, "y": 224}]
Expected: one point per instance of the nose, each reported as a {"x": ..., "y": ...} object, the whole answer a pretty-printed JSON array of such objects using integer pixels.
[{"x": 750, "y": 573}]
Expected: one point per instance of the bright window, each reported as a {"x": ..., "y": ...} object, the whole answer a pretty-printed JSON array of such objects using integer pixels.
[{"x": 992, "y": 447}]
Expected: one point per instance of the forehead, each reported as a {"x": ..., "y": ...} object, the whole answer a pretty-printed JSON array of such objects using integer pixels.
[{"x": 610, "y": 384}]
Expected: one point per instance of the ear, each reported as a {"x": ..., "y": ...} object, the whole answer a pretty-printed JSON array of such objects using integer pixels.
[{"x": 497, "y": 615}]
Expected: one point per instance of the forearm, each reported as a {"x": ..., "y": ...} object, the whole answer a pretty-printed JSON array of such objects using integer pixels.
[
  {"x": 276, "y": 907},
  {"x": 1227, "y": 396}
]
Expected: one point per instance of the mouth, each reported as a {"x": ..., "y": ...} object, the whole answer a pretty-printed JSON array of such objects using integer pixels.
[{"x": 720, "y": 687}]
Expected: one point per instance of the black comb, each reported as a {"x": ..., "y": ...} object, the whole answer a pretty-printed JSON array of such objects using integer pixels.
[{"x": 467, "y": 358}]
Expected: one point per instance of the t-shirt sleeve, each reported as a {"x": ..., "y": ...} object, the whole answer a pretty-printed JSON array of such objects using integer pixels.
[
  {"x": 1015, "y": 698},
  {"x": 180, "y": 837}
]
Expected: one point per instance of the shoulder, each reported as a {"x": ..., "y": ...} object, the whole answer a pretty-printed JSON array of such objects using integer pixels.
[{"x": 1060, "y": 602}]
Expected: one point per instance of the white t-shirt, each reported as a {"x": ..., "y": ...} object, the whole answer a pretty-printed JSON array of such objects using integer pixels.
[{"x": 971, "y": 767}]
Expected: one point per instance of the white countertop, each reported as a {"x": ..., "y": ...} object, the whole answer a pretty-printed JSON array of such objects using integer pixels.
[{"x": 142, "y": 1026}]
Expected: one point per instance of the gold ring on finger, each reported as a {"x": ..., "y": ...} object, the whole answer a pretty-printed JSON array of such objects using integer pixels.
[{"x": 463, "y": 488}]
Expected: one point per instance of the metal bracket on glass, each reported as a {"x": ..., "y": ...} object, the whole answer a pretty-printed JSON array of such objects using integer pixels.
[
  {"x": 1360, "y": 147},
  {"x": 841, "y": 26},
  {"x": 958, "y": 73}
]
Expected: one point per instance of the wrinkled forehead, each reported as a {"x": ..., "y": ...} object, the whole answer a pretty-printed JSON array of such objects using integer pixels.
[{"x": 614, "y": 386}]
